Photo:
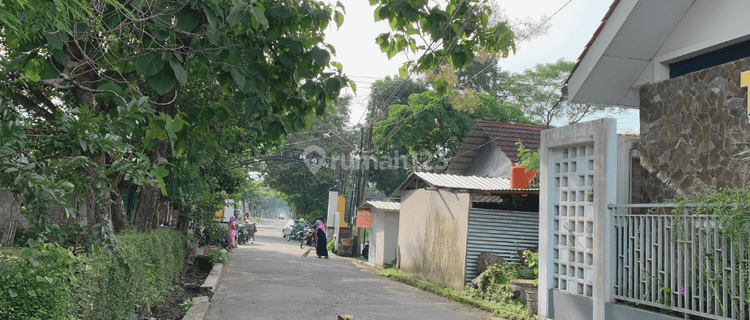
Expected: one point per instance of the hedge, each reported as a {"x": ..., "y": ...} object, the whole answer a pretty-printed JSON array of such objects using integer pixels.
[{"x": 50, "y": 282}]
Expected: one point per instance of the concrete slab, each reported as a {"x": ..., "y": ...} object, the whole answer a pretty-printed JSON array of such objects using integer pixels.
[
  {"x": 198, "y": 310},
  {"x": 209, "y": 285}
]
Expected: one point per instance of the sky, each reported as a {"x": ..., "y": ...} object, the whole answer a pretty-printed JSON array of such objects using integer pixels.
[{"x": 569, "y": 31}]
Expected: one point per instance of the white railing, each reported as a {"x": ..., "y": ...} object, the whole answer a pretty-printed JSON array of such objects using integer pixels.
[{"x": 684, "y": 264}]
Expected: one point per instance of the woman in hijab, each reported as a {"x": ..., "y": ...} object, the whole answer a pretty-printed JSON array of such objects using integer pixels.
[
  {"x": 320, "y": 236},
  {"x": 232, "y": 232}
]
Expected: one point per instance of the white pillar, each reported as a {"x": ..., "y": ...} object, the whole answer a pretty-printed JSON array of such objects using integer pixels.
[
  {"x": 333, "y": 196},
  {"x": 336, "y": 232}
]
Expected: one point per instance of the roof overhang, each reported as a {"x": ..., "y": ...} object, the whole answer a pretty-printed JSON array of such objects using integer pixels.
[
  {"x": 474, "y": 140},
  {"x": 621, "y": 49},
  {"x": 382, "y": 205},
  {"x": 463, "y": 184}
]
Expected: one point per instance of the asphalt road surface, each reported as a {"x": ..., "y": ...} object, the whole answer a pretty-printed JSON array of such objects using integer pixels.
[{"x": 269, "y": 279}]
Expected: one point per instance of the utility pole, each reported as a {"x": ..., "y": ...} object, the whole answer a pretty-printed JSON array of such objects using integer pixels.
[
  {"x": 369, "y": 152},
  {"x": 354, "y": 203}
]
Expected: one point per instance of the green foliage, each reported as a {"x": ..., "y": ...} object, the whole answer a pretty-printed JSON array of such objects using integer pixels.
[
  {"x": 51, "y": 282},
  {"x": 216, "y": 231},
  {"x": 532, "y": 261},
  {"x": 456, "y": 33},
  {"x": 40, "y": 283},
  {"x": 114, "y": 292},
  {"x": 537, "y": 92},
  {"x": 728, "y": 208},
  {"x": 306, "y": 192},
  {"x": 496, "y": 280},
  {"x": 506, "y": 308},
  {"x": 218, "y": 257},
  {"x": 186, "y": 305},
  {"x": 331, "y": 245},
  {"x": 529, "y": 158},
  {"x": 428, "y": 131}
]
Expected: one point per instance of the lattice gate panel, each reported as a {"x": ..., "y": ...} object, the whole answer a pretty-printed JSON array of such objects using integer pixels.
[{"x": 573, "y": 221}]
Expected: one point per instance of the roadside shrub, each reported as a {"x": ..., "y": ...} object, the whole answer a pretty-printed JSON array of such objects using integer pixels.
[
  {"x": 331, "y": 245},
  {"x": 39, "y": 284},
  {"x": 218, "y": 257},
  {"x": 117, "y": 291},
  {"x": 494, "y": 283}
]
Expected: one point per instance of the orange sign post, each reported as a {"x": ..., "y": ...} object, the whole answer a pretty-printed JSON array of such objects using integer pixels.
[{"x": 363, "y": 218}]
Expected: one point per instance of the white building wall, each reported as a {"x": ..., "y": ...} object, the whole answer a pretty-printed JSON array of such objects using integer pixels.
[
  {"x": 390, "y": 243},
  {"x": 707, "y": 25},
  {"x": 376, "y": 237},
  {"x": 490, "y": 161}
]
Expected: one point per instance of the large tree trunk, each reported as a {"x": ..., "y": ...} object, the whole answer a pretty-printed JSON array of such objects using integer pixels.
[
  {"x": 148, "y": 199},
  {"x": 97, "y": 199},
  {"x": 119, "y": 219}
]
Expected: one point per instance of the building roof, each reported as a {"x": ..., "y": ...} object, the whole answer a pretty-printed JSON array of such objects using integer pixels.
[
  {"x": 593, "y": 38},
  {"x": 382, "y": 205},
  {"x": 503, "y": 135},
  {"x": 621, "y": 50},
  {"x": 418, "y": 180}
]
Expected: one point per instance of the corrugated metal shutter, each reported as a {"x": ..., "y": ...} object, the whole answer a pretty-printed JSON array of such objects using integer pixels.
[{"x": 499, "y": 232}]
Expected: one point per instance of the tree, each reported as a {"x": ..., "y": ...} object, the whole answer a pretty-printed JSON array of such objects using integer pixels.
[
  {"x": 393, "y": 91},
  {"x": 428, "y": 131},
  {"x": 119, "y": 73},
  {"x": 537, "y": 92},
  {"x": 304, "y": 190}
]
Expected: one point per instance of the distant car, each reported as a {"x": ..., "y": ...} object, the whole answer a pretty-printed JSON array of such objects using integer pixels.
[{"x": 282, "y": 217}]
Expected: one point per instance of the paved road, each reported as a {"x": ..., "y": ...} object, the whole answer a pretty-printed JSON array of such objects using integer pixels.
[{"x": 270, "y": 280}]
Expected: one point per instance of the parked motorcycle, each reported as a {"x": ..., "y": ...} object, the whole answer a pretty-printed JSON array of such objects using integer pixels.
[
  {"x": 206, "y": 240},
  {"x": 366, "y": 250},
  {"x": 308, "y": 239},
  {"x": 242, "y": 234}
]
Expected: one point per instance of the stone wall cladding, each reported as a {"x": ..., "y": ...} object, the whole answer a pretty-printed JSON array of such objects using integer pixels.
[{"x": 686, "y": 130}]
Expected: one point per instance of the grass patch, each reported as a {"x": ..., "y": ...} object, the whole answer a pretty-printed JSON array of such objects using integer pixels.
[
  {"x": 10, "y": 251},
  {"x": 511, "y": 309}
]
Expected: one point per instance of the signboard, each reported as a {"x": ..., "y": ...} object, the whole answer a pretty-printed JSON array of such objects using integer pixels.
[
  {"x": 363, "y": 218},
  {"x": 340, "y": 208},
  {"x": 745, "y": 82}
]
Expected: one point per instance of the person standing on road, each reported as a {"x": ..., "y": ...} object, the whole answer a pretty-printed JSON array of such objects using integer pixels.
[
  {"x": 320, "y": 248},
  {"x": 251, "y": 230},
  {"x": 232, "y": 233}
]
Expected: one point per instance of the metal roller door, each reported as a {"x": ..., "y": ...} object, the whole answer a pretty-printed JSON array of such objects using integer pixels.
[{"x": 501, "y": 233}]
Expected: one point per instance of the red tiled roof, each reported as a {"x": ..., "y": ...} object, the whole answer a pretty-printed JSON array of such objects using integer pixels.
[
  {"x": 505, "y": 136},
  {"x": 593, "y": 38}
]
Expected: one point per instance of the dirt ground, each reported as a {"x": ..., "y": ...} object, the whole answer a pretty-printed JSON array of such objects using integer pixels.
[{"x": 172, "y": 308}]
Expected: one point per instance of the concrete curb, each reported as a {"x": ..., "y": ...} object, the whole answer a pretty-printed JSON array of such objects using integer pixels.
[
  {"x": 198, "y": 310},
  {"x": 209, "y": 285},
  {"x": 208, "y": 288}
]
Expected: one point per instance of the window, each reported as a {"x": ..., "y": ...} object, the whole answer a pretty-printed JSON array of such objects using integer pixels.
[{"x": 710, "y": 59}]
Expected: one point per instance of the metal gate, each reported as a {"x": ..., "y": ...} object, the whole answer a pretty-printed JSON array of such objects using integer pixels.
[{"x": 501, "y": 233}]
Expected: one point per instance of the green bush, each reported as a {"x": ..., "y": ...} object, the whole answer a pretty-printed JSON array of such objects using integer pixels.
[
  {"x": 218, "y": 257},
  {"x": 494, "y": 283},
  {"x": 331, "y": 245},
  {"x": 116, "y": 292},
  {"x": 39, "y": 284},
  {"x": 50, "y": 282}
]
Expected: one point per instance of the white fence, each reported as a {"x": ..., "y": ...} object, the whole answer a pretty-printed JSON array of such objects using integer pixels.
[{"x": 681, "y": 263}]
